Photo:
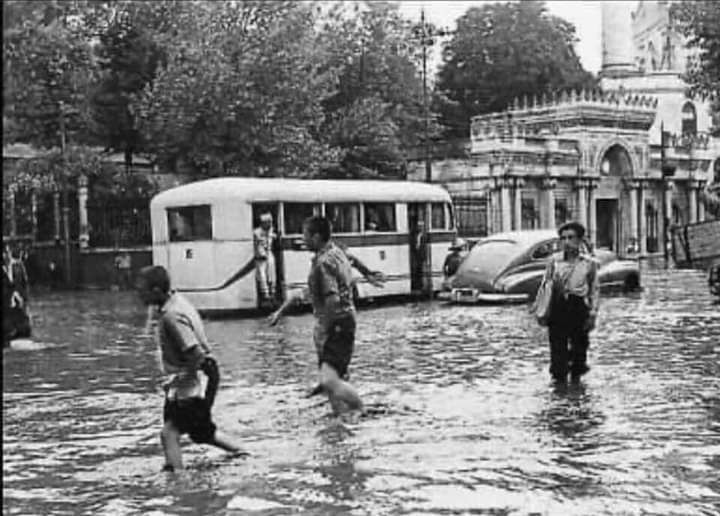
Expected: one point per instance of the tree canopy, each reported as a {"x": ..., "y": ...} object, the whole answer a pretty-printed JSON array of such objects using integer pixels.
[
  {"x": 500, "y": 52},
  {"x": 699, "y": 21}
]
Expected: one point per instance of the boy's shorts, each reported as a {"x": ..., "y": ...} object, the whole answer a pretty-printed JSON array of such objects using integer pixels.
[
  {"x": 339, "y": 344},
  {"x": 191, "y": 416}
]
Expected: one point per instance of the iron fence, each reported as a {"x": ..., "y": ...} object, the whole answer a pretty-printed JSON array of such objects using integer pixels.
[{"x": 119, "y": 223}]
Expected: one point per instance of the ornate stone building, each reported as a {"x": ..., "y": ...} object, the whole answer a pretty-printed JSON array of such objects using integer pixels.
[{"x": 596, "y": 156}]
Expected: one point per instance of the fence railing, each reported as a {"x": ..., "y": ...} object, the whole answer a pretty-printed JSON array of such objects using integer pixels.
[{"x": 119, "y": 223}]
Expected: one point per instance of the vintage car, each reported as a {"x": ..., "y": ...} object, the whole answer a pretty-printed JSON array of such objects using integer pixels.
[{"x": 508, "y": 267}]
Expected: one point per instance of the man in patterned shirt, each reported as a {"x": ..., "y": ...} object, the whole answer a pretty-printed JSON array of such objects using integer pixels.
[{"x": 330, "y": 291}]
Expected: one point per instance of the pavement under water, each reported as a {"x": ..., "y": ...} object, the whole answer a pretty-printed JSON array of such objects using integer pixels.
[{"x": 463, "y": 417}]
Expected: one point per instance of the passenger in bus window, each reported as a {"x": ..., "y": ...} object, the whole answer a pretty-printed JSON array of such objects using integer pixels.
[{"x": 264, "y": 238}]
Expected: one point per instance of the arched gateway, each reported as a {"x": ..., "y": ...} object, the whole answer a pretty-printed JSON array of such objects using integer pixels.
[{"x": 615, "y": 205}]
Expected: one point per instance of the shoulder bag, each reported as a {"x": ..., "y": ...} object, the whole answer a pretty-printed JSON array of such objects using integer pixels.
[{"x": 542, "y": 304}]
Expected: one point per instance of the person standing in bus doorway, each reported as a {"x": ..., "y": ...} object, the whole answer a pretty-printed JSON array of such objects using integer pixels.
[
  {"x": 265, "y": 274},
  {"x": 184, "y": 350},
  {"x": 330, "y": 290},
  {"x": 419, "y": 250},
  {"x": 574, "y": 304}
]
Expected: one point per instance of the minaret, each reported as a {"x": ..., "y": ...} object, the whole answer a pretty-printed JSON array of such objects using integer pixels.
[{"x": 617, "y": 51}]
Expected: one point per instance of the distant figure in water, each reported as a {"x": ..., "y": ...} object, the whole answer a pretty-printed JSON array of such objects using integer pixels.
[
  {"x": 184, "y": 351},
  {"x": 16, "y": 321}
]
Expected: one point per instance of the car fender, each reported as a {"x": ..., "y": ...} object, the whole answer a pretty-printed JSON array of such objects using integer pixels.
[
  {"x": 618, "y": 270},
  {"x": 522, "y": 282}
]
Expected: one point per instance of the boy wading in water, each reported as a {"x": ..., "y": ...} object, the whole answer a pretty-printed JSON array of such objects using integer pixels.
[
  {"x": 330, "y": 290},
  {"x": 184, "y": 351}
]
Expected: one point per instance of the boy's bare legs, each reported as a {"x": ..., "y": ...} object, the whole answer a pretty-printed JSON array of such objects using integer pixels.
[
  {"x": 343, "y": 397},
  {"x": 170, "y": 438}
]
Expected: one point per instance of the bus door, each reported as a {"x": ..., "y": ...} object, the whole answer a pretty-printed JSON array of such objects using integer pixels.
[
  {"x": 268, "y": 275},
  {"x": 419, "y": 249}
]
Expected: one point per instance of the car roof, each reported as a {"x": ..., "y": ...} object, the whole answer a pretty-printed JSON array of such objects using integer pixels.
[{"x": 526, "y": 238}]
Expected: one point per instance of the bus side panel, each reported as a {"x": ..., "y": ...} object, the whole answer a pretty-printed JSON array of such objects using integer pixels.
[
  {"x": 233, "y": 257},
  {"x": 296, "y": 267},
  {"x": 229, "y": 259},
  {"x": 392, "y": 260},
  {"x": 160, "y": 255},
  {"x": 191, "y": 264}
]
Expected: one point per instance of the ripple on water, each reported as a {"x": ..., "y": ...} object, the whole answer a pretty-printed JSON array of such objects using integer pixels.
[{"x": 462, "y": 416}]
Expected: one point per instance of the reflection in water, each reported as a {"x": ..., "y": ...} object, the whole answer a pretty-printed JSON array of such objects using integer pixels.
[
  {"x": 464, "y": 416},
  {"x": 571, "y": 415}
]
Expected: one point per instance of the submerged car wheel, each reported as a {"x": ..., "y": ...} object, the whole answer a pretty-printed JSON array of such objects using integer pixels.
[{"x": 632, "y": 282}]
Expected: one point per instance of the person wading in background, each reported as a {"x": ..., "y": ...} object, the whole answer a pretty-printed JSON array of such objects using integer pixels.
[{"x": 574, "y": 304}]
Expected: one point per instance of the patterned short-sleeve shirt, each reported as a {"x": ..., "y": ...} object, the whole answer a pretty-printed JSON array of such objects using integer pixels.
[{"x": 331, "y": 273}]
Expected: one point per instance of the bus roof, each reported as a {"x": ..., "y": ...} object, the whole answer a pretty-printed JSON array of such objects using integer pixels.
[{"x": 299, "y": 190}]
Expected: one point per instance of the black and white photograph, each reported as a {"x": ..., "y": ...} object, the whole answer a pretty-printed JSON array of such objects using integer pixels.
[{"x": 361, "y": 257}]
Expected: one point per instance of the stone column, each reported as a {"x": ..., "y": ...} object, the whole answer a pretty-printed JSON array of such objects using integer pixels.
[
  {"x": 84, "y": 235},
  {"x": 493, "y": 208},
  {"x": 517, "y": 216},
  {"x": 693, "y": 187},
  {"x": 582, "y": 201},
  {"x": 592, "y": 224},
  {"x": 633, "y": 186},
  {"x": 643, "y": 219},
  {"x": 669, "y": 187},
  {"x": 56, "y": 214},
  {"x": 548, "y": 186},
  {"x": 11, "y": 210},
  {"x": 33, "y": 213},
  {"x": 701, "y": 204},
  {"x": 506, "y": 213}
]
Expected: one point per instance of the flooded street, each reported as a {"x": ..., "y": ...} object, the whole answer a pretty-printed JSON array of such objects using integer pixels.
[{"x": 464, "y": 417}]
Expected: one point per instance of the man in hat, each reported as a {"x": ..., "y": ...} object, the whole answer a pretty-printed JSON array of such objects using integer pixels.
[
  {"x": 455, "y": 257},
  {"x": 265, "y": 275}
]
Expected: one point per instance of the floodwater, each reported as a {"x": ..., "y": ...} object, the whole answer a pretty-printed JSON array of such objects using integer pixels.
[{"x": 464, "y": 419}]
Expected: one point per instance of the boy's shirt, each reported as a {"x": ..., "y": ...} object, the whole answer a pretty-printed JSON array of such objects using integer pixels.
[{"x": 180, "y": 330}]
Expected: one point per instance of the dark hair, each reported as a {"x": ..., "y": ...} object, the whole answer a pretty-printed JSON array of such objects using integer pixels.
[
  {"x": 155, "y": 276},
  {"x": 320, "y": 225},
  {"x": 578, "y": 228}
]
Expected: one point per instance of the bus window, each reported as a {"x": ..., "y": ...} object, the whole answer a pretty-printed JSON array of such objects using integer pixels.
[
  {"x": 451, "y": 215},
  {"x": 344, "y": 217},
  {"x": 437, "y": 215},
  {"x": 295, "y": 215},
  {"x": 189, "y": 223},
  {"x": 380, "y": 216}
]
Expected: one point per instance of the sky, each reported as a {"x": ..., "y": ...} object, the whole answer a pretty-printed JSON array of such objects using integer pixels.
[{"x": 584, "y": 15}]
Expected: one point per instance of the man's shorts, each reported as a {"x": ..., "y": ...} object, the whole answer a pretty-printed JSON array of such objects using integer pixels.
[
  {"x": 339, "y": 343},
  {"x": 191, "y": 416}
]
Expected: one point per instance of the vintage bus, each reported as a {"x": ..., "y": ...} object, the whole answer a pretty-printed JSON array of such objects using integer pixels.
[{"x": 203, "y": 234}]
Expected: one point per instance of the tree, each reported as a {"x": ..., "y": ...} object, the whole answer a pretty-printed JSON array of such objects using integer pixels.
[
  {"x": 699, "y": 21},
  {"x": 501, "y": 52},
  {"x": 240, "y": 91},
  {"x": 128, "y": 55},
  {"x": 49, "y": 71},
  {"x": 376, "y": 114}
]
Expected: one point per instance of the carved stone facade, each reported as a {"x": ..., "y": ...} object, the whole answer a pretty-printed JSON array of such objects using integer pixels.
[{"x": 593, "y": 156}]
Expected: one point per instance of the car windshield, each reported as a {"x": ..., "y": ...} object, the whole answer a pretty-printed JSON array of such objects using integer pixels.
[{"x": 492, "y": 256}]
